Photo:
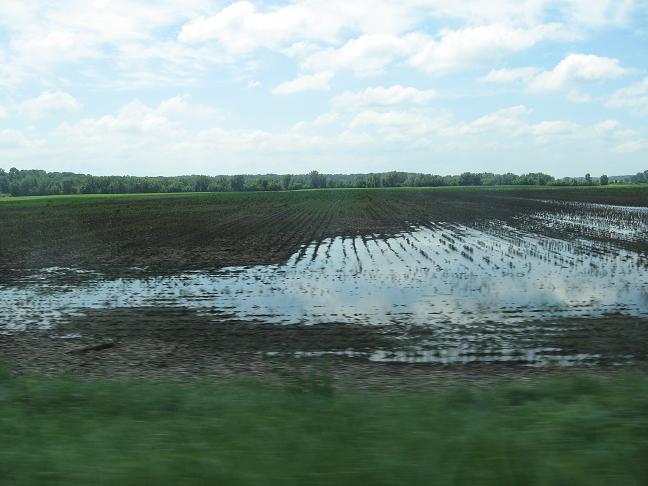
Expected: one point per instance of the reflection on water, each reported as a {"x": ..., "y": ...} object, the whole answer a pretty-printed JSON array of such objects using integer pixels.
[
  {"x": 538, "y": 357},
  {"x": 470, "y": 289}
]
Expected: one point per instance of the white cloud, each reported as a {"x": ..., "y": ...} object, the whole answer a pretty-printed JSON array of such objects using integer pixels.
[
  {"x": 597, "y": 13},
  {"x": 464, "y": 48},
  {"x": 389, "y": 119},
  {"x": 323, "y": 120},
  {"x": 634, "y": 96},
  {"x": 10, "y": 137},
  {"x": 576, "y": 13},
  {"x": 607, "y": 125},
  {"x": 138, "y": 119},
  {"x": 366, "y": 55},
  {"x": 181, "y": 105},
  {"x": 118, "y": 34},
  {"x": 556, "y": 127},
  {"x": 578, "y": 68},
  {"x": 160, "y": 139},
  {"x": 213, "y": 49},
  {"x": 555, "y": 130},
  {"x": 305, "y": 82},
  {"x": 372, "y": 54},
  {"x": 381, "y": 96},
  {"x": 241, "y": 28},
  {"x": 509, "y": 119},
  {"x": 510, "y": 75},
  {"x": 572, "y": 72},
  {"x": 50, "y": 103},
  {"x": 631, "y": 146}
]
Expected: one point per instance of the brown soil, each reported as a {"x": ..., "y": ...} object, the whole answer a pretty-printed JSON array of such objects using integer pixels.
[
  {"x": 170, "y": 234},
  {"x": 176, "y": 344}
]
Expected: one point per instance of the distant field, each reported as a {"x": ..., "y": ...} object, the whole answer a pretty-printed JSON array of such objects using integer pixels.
[
  {"x": 620, "y": 192},
  {"x": 577, "y": 430},
  {"x": 170, "y": 232}
]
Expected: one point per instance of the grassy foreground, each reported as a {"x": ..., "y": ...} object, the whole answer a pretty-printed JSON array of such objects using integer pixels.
[{"x": 568, "y": 430}]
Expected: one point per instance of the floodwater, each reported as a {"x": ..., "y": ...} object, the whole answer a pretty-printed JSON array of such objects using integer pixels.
[{"x": 469, "y": 294}]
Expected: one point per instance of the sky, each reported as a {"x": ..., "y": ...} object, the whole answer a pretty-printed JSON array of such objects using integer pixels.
[{"x": 139, "y": 87}]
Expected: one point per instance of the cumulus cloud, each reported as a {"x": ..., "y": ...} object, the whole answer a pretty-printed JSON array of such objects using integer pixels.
[
  {"x": 366, "y": 55},
  {"x": 50, "y": 103},
  {"x": 631, "y": 146},
  {"x": 240, "y": 27},
  {"x": 10, "y": 137},
  {"x": 463, "y": 48},
  {"x": 510, "y": 119},
  {"x": 510, "y": 75},
  {"x": 634, "y": 97},
  {"x": 578, "y": 68},
  {"x": 122, "y": 48},
  {"x": 607, "y": 125},
  {"x": 383, "y": 96},
  {"x": 182, "y": 106},
  {"x": 365, "y": 36},
  {"x": 305, "y": 82},
  {"x": 572, "y": 72}
]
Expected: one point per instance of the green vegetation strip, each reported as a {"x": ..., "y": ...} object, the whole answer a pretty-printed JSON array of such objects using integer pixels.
[{"x": 568, "y": 430}]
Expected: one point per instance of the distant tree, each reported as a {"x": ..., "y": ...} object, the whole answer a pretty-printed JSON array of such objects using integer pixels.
[
  {"x": 603, "y": 180},
  {"x": 237, "y": 183},
  {"x": 297, "y": 183},
  {"x": 374, "y": 180},
  {"x": 4, "y": 182},
  {"x": 393, "y": 179},
  {"x": 588, "y": 179},
  {"x": 360, "y": 181},
  {"x": 219, "y": 184},
  {"x": 317, "y": 180},
  {"x": 470, "y": 179},
  {"x": 201, "y": 183},
  {"x": 274, "y": 185},
  {"x": 286, "y": 179},
  {"x": 508, "y": 179},
  {"x": 39, "y": 182}
]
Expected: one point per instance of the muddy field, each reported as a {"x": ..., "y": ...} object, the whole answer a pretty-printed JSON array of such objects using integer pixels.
[{"x": 372, "y": 283}]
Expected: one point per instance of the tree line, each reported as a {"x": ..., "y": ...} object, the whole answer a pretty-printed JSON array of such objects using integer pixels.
[{"x": 41, "y": 183}]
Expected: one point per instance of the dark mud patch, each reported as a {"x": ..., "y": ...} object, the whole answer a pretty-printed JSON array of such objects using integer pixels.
[
  {"x": 613, "y": 338},
  {"x": 167, "y": 235},
  {"x": 179, "y": 344},
  {"x": 153, "y": 359},
  {"x": 186, "y": 327}
]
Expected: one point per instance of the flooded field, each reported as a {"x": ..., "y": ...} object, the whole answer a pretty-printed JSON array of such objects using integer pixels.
[{"x": 487, "y": 291}]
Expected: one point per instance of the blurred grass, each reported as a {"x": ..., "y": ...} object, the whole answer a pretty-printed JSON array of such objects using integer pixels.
[{"x": 569, "y": 430}]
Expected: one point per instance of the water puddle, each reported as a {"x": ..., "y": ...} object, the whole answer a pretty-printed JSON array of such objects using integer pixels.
[{"x": 470, "y": 289}]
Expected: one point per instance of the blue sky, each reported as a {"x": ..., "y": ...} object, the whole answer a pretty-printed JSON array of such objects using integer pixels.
[{"x": 443, "y": 86}]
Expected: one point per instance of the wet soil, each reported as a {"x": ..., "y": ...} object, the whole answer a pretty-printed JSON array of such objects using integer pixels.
[
  {"x": 517, "y": 231},
  {"x": 171, "y": 234},
  {"x": 177, "y": 344}
]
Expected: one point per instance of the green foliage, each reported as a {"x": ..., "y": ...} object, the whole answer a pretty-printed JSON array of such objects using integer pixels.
[
  {"x": 640, "y": 177},
  {"x": 38, "y": 182},
  {"x": 317, "y": 180},
  {"x": 573, "y": 430}
]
